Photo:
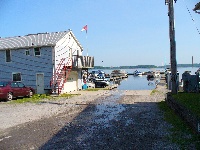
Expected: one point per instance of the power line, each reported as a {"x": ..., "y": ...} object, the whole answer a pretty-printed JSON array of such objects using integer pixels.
[{"x": 191, "y": 17}]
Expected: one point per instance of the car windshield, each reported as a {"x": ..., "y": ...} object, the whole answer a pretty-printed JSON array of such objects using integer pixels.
[{"x": 3, "y": 84}]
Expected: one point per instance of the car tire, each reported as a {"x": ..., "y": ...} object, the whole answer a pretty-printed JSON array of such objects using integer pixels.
[
  {"x": 9, "y": 96},
  {"x": 30, "y": 94}
]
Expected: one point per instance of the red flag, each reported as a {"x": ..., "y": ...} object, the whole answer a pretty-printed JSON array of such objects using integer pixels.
[{"x": 85, "y": 28}]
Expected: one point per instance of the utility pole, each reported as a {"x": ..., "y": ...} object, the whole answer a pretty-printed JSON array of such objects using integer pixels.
[{"x": 173, "y": 62}]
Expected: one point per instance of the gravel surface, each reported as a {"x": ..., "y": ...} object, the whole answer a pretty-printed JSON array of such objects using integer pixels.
[
  {"x": 94, "y": 120},
  {"x": 15, "y": 114}
]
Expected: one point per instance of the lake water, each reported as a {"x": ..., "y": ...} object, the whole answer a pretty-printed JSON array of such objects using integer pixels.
[
  {"x": 141, "y": 82},
  {"x": 136, "y": 83}
]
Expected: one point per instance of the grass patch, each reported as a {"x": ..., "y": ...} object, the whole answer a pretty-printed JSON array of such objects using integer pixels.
[
  {"x": 180, "y": 131},
  {"x": 34, "y": 99},
  {"x": 154, "y": 91},
  {"x": 68, "y": 95},
  {"x": 190, "y": 101},
  {"x": 92, "y": 89},
  {"x": 39, "y": 98},
  {"x": 96, "y": 89}
]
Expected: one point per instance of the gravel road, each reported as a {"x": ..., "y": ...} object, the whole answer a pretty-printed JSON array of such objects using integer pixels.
[{"x": 94, "y": 120}]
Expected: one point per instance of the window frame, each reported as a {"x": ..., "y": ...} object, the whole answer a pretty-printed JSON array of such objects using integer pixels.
[
  {"x": 27, "y": 52},
  {"x": 8, "y": 55},
  {"x": 39, "y": 51},
  {"x": 16, "y": 78}
]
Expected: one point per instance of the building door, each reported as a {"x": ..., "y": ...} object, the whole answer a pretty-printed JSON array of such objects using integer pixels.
[
  {"x": 71, "y": 84},
  {"x": 40, "y": 83}
]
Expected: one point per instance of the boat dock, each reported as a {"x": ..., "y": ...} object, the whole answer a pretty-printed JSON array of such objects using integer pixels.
[
  {"x": 116, "y": 78},
  {"x": 112, "y": 86},
  {"x": 145, "y": 73}
]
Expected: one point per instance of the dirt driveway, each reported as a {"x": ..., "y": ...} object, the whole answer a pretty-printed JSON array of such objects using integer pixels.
[{"x": 94, "y": 120}]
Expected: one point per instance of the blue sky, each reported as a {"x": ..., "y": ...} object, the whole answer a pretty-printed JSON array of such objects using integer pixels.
[{"x": 120, "y": 32}]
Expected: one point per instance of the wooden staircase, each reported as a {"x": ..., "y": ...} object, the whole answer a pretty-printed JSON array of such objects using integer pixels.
[{"x": 60, "y": 76}]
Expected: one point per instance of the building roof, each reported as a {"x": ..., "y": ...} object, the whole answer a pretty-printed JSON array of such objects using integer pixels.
[{"x": 34, "y": 40}]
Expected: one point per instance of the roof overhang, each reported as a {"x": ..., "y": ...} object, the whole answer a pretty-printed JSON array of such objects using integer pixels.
[
  {"x": 76, "y": 40},
  {"x": 28, "y": 47}
]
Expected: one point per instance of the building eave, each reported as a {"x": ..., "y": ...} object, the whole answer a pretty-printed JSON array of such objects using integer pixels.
[
  {"x": 76, "y": 40},
  {"x": 28, "y": 47}
]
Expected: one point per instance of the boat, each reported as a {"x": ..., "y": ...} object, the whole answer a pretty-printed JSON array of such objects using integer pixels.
[
  {"x": 90, "y": 84},
  {"x": 101, "y": 74},
  {"x": 137, "y": 73},
  {"x": 107, "y": 75},
  {"x": 101, "y": 82},
  {"x": 97, "y": 74},
  {"x": 150, "y": 75},
  {"x": 157, "y": 74},
  {"x": 118, "y": 74},
  {"x": 123, "y": 74}
]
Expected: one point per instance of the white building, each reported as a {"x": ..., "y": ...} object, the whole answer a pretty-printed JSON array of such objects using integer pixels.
[{"x": 45, "y": 61}]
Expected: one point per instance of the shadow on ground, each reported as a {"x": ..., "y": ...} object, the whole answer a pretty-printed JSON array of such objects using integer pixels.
[
  {"x": 135, "y": 126},
  {"x": 106, "y": 124}
]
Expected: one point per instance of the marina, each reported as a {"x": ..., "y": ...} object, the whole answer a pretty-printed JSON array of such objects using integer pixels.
[
  {"x": 127, "y": 80},
  {"x": 120, "y": 79}
]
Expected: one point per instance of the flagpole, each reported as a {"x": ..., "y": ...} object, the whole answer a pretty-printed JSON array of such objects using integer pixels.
[
  {"x": 86, "y": 43},
  {"x": 85, "y": 28}
]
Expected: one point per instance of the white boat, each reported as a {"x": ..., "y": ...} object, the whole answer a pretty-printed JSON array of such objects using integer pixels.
[
  {"x": 97, "y": 74},
  {"x": 90, "y": 85},
  {"x": 101, "y": 82},
  {"x": 137, "y": 73},
  {"x": 157, "y": 74}
]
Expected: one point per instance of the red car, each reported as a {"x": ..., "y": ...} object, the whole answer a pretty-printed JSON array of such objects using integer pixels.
[{"x": 14, "y": 89}]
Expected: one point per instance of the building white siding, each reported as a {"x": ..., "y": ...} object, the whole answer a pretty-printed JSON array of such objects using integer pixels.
[
  {"x": 80, "y": 80},
  {"x": 66, "y": 48},
  {"x": 71, "y": 84}
]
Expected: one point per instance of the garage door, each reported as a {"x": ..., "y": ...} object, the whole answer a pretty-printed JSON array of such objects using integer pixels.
[{"x": 71, "y": 84}]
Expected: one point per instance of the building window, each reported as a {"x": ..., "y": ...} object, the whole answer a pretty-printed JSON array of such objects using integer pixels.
[
  {"x": 37, "y": 51},
  {"x": 8, "y": 56},
  {"x": 27, "y": 52},
  {"x": 16, "y": 76}
]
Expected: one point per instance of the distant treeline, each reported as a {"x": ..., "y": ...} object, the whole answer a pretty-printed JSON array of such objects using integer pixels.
[{"x": 146, "y": 66}]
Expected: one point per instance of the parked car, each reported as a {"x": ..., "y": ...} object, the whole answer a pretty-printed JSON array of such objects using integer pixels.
[{"x": 14, "y": 89}]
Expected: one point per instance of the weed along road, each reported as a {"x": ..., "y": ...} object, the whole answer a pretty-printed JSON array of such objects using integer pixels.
[{"x": 93, "y": 120}]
